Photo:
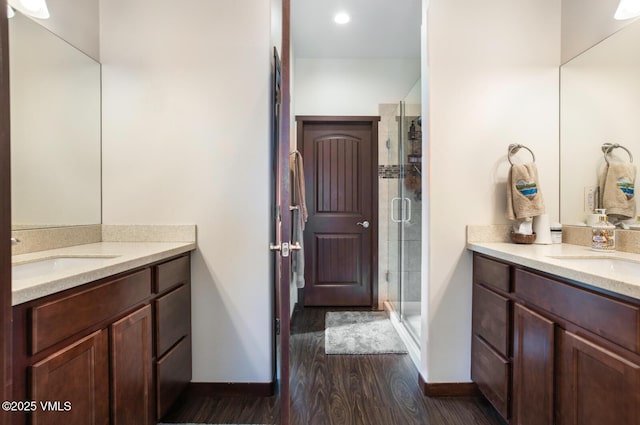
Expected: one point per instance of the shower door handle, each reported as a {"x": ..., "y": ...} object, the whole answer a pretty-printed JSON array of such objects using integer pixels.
[
  {"x": 393, "y": 217},
  {"x": 408, "y": 210}
]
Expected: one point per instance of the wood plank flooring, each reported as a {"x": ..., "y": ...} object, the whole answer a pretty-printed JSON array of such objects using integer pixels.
[{"x": 341, "y": 390}]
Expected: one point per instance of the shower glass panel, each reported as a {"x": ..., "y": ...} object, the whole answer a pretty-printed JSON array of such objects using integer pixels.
[{"x": 405, "y": 217}]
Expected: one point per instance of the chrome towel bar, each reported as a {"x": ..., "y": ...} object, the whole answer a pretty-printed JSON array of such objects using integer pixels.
[
  {"x": 514, "y": 148},
  {"x": 608, "y": 147}
]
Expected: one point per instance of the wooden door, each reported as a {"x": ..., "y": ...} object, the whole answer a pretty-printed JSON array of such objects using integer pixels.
[
  {"x": 78, "y": 374},
  {"x": 533, "y": 361},
  {"x": 5, "y": 221},
  {"x": 340, "y": 238},
  {"x": 131, "y": 369},
  {"x": 281, "y": 214},
  {"x": 596, "y": 386}
]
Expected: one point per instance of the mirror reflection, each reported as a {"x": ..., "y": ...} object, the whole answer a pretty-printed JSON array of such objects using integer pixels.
[
  {"x": 599, "y": 103},
  {"x": 55, "y": 130}
]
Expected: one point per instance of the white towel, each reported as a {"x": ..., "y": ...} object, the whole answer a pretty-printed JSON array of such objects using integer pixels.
[
  {"x": 298, "y": 190},
  {"x": 297, "y": 257},
  {"x": 617, "y": 188},
  {"x": 524, "y": 197},
  {"x": 298, "y": 217}
]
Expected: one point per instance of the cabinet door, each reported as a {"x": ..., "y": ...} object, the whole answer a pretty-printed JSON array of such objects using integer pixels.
[
  {"x": 78, "y": 374},
  {"x": 595, "y": 385},
  {"x": 131, "y": 359},
  {"x": 533, "y": 341}
]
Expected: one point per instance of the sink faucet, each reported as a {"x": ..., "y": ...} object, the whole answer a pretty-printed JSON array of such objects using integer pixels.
[{"x": 15, "y": 241}]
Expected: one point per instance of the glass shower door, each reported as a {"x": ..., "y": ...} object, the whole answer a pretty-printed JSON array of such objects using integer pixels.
[
  {"x": 410, "y": 226},
  {"x": 405, "y": 216}
]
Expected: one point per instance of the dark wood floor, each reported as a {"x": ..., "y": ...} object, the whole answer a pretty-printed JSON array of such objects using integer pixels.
[{"x": 341, "y": 390}]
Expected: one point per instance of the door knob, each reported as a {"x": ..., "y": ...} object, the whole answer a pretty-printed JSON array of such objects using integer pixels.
[
  {"x": 285, "y": 248},
  {"x": 364, "y": 224}
]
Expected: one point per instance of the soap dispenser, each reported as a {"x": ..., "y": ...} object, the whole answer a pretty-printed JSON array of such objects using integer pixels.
[{"x": 603, "y": 234}]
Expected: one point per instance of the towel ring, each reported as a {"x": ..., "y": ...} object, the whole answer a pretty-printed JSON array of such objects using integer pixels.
[
  {"x": 608, "y": 147},
  {"x": 514, "y": 148}
]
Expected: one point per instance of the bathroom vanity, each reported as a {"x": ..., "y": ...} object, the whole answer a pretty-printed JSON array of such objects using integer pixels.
[
  {"x": 548, "y": 348},
  {"x": 114, "y": 350}
]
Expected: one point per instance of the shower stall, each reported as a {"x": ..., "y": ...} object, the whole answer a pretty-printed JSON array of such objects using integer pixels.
[{"x": 404, "y": 218}]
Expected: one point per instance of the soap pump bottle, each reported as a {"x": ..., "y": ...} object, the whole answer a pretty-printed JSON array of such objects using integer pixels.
[{"x": 603, "y": 234}]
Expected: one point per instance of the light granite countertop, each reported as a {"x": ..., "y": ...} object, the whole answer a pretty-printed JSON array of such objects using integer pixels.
[
  {"x": 621, "y": 278},
  {"x": 118, "y": 257}
]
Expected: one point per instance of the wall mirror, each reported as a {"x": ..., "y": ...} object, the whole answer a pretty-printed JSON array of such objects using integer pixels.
[
  {"x": 55, "y": 130},
  {"x": 599, "y": 102}
]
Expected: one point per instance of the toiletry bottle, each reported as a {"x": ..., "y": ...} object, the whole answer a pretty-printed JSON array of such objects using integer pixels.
[
  {"x": 603, "y": 234},
  {"x": 412, "y": 131}
]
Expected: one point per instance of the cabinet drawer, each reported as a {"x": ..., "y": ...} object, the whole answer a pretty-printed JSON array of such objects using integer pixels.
[
  {"x": 173, "y": 318},
  {"x": 614, "y": 320},
  {"x": 56, "y": 320},
  {"x": 491, "y": 372},
  {"x": 172, "y": 273},
  {"x": 173, "y": 373},
  {"x": 491, "y": 273},
  {"x": 491, "y": 318}
]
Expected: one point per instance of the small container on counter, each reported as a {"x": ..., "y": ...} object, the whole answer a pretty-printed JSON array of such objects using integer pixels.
[{"x": 556, "y": 233}]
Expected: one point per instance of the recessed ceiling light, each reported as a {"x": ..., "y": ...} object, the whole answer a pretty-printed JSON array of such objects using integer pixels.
[
  {"x": 341, "y": 18},
  {"x": 627, "y": 9},
  {"x": 35, "y": 8}
]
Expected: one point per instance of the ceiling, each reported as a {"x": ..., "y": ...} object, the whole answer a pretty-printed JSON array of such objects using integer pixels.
[{"x": 378, "y": 29}]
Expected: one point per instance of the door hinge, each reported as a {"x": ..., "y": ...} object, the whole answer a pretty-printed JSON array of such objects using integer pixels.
[
  {"x": 388, "y": 143},
  {"x": 277, "y": 326},
  {"x": 387, "y": 276}
]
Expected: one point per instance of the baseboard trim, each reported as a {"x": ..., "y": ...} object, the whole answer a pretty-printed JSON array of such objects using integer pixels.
[
  {"x": 448, "y": 389},
  {"x": 231, "y": 389}
]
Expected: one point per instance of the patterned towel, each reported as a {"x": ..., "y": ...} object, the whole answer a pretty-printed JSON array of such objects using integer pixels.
[
  {"x": 617, "y": 188},
  {"x": 524, "y": 198}
]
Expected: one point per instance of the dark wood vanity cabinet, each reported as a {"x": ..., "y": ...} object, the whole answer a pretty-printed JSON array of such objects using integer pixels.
[
  {"x": 172, "y": 332},
  {"x": 491, "y": 340},
  {"x": 572, "y": 355},
  {"x": 100, "y": 350}
]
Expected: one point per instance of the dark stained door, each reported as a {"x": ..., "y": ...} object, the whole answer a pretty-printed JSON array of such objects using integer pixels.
[
  {"x": 281, "y": 218},
  {"x": 340, "y": 238}
]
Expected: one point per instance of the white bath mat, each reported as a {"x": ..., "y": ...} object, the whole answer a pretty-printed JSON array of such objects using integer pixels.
[{"x": 361, "y": 332}]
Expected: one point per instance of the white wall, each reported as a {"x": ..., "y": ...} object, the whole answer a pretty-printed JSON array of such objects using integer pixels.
[
  {"x": 493, "y": 80},
  {"x": 186, "y": 137},
  {"x": 351, "y": 86}
]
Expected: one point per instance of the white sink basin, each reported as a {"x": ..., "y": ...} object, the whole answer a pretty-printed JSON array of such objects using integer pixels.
[
  {"x": 603, "y": 263},
  {"x": 55, "y": 264}
]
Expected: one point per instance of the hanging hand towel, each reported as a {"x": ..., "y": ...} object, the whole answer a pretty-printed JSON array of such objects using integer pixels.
[
  {"x": 297, "y": 257},
  {"x": 298, "y": 185},
  {"x": 298, "y": 218},
  {"x": 524, "y": 198},
  {"x": 617, "y": 190}
]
